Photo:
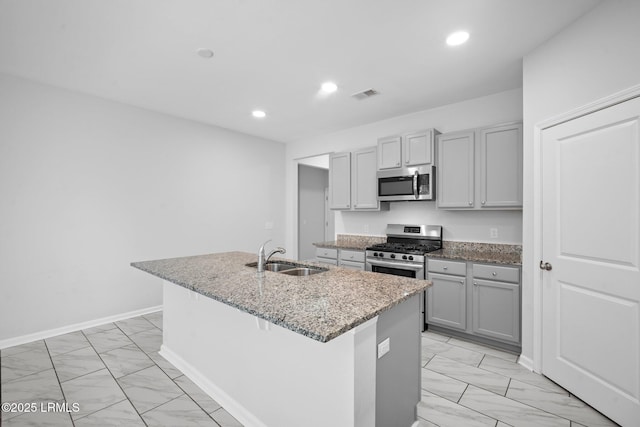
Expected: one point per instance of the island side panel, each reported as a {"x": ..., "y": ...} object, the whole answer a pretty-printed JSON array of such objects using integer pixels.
[
  {"x": 398, "y": 388},
  {"x": 266, "y": 375}
]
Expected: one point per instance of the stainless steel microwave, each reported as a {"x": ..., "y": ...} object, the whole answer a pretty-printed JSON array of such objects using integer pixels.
[{"x": 414, "y": 183}]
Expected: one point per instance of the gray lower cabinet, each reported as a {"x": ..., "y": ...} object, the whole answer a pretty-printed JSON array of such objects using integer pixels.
[
  {"x": 496, "y": 310},
  {"x": 446, "y": 301},
  {"x": 352, "y": 259},
  {"x": 347, "y": 258},
  {"x": 475, "y": 299},
  {"x": 327, "y": 256}
]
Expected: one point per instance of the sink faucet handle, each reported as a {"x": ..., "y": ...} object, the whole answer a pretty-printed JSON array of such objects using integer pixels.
[
  {"x": 261, "y": 257},
  {"x": 264, "y": 244}
]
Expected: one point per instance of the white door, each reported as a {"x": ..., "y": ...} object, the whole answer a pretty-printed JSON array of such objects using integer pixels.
[{"x": 591, "y": 241}]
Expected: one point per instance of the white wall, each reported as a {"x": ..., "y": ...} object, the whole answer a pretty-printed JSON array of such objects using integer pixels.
[
  {"x": 461, "y": 226},
  {"x": 596, "y": 56},
  {"x": 88, "y": 186}
]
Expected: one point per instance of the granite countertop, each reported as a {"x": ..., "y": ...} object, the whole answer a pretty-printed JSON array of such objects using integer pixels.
[
  {"x": 480, "y": 252},
  {"x": 321, "y": 306},
  {"x": 352, "y": 242}
]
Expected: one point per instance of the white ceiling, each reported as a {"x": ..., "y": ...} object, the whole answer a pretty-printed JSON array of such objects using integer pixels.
[{"x": 274, "y": 54}]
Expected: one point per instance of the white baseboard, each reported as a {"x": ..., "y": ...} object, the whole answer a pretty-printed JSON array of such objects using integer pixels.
[
  {"x": 10, "y": 342},
  {"x": 526, "y": 362},
  {"x": 239, "y": 412}
]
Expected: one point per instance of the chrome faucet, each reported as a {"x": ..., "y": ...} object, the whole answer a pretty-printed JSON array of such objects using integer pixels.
[{"x": 263, "y": 260}]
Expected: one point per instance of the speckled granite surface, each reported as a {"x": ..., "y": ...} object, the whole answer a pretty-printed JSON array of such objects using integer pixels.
[
  {"x": 352, "y": 241},
  {"x": 321, "y": 306},
  {"x": 480, "y": 252}
]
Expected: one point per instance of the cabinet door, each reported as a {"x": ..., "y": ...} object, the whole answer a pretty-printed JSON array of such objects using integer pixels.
[
  {"x": 456, "y": 170},
  {"x": 389, "y": 152},
  {"x": 340, "y": 181},
  {"x": 364, "y": 191},
  {"x": 417, "y": 148},
  {"x": 501, "y": 166},
  {"x": 446, "y": 301},
  {"x": 496, "y": 310}
]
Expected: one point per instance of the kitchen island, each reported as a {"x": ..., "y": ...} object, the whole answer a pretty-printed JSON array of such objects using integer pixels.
[{"x": 279, "y": 350}]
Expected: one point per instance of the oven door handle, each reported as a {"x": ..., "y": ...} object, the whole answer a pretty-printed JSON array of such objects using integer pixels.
[
  {"x": 415, "y": 184},
  {"x": 391, "y": 264}
]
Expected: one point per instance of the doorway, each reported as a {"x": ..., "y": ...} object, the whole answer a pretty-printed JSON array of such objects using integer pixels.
[{"x": 315, "y": 220}]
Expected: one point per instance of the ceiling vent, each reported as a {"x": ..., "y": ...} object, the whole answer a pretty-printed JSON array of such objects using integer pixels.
[{"x": 368, "y": 93}]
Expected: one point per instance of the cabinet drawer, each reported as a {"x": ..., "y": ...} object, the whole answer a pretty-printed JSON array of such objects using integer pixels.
[
  {"x": 494, "y": 272},
  {"x": 352, "y": 265},
  {"x": 347, "y": 255},
  {"x": 447, "y": 267},
  {"x": 327, "y": 253}
]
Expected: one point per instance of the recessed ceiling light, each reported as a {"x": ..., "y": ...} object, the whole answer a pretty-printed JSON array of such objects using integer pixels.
[
  {"x": 457, "y": 38},
  {"x": 329, "y": 87},
  {"x": 258, "y": 114},
  {"x": 205, "y": 53}
]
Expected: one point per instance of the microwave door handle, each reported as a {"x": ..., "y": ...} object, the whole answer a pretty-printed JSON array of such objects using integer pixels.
[{"x": 415, "y": 185}]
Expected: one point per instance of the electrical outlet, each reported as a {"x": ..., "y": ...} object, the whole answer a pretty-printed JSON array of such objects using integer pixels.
[
  {"x": 493, "y": 233},
  {"x": 384, "y": 347}
]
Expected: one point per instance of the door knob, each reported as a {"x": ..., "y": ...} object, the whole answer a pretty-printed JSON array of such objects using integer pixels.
[{"x": 545, "y": 266}]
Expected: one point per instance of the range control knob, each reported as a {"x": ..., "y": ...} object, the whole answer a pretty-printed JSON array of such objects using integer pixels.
[
  {"x": 375, "y": 254},
  {"x": 381, "y": 255},
  {"x": 393, "y": 255},
  {"x": 410, "y": 257},
  {"x": 404, "y": 257}
]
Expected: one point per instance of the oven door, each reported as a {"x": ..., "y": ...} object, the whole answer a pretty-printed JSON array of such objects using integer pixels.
[{"x": 414, "y": 271}]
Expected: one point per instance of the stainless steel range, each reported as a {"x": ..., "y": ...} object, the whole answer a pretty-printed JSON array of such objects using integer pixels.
[{"x": 404, "y": 253}]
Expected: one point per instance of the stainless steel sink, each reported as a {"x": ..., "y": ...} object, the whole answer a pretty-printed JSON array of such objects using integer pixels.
[
  {"x": 278, "y": 266},
  {"x": 290, "y": 268},
  {"x": 303, "y": 271}
]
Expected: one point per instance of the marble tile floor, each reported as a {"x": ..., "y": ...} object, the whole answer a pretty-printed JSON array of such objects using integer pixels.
[
  {"x": 115, "y": 375},
  {"x": 112, "y": 372},
  {"x": 467, "y": 384}
]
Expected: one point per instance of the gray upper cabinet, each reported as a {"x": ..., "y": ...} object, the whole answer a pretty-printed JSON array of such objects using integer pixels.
[
  {"x": 340, "y": 181},
  {"x": 456, "y": 170},
  {"x": 390, "y": 152},
  {"x": 364, "y": 194},
  {"x": 410, "y": 149},
  {"x": 417, "y": 148},
  {"x": 480, "y": 168},
  {"x": 501, "y": 166},
  {"x": 352, "y": 181}
]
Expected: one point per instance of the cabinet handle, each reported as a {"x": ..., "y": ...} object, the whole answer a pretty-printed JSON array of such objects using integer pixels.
[
  {"x": 484, "y": 201},
  {"x": 470, "y": 203},
  {"x": 398, "y": 164},
  {"x": 494, "y": 274},
  {"x": 475, "y": 283},
  {"x": 445, "y": 268},
  {"x": 462, "y": 282}
]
